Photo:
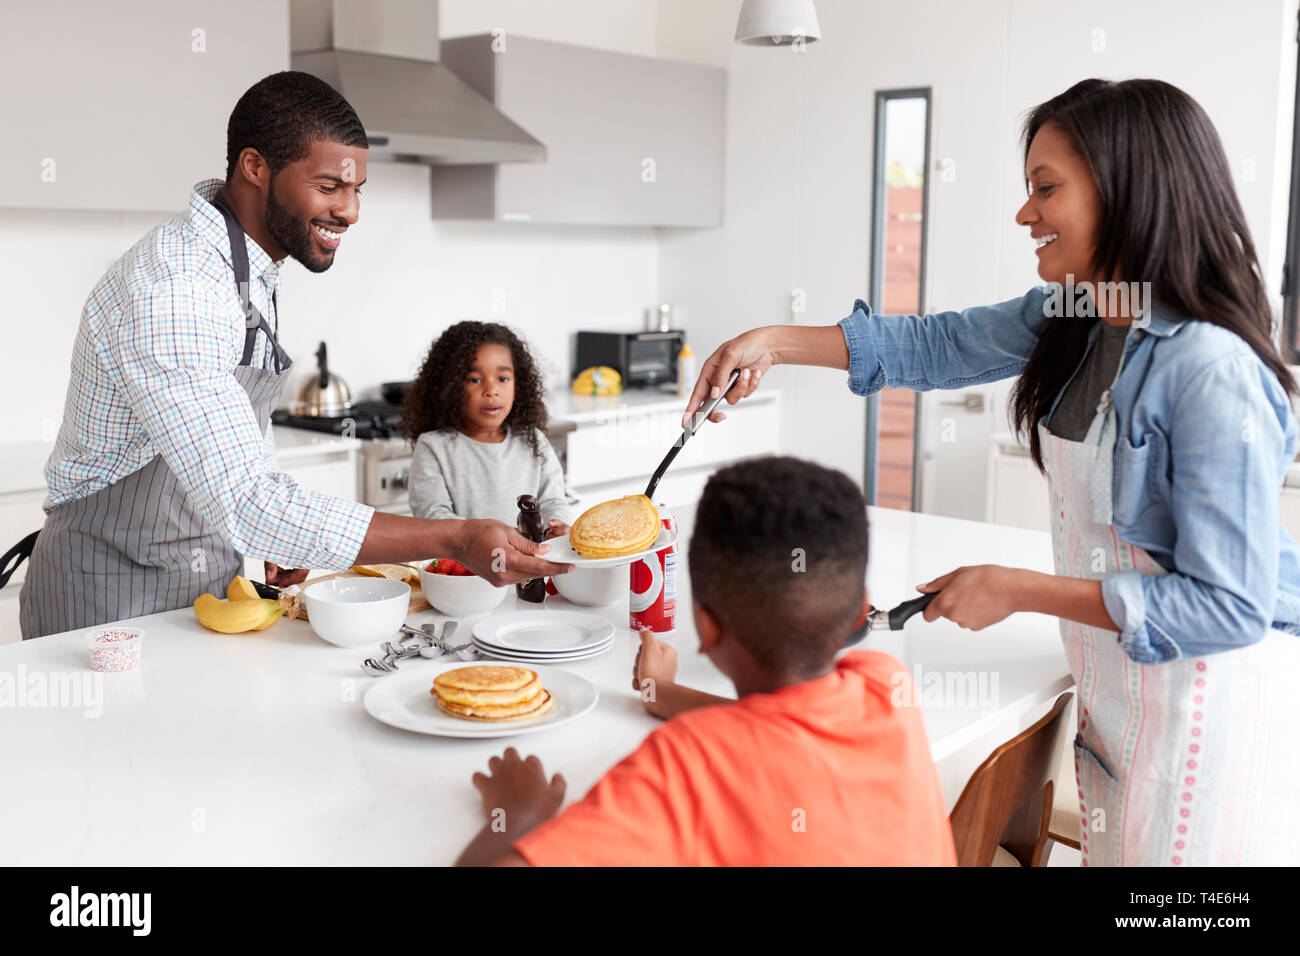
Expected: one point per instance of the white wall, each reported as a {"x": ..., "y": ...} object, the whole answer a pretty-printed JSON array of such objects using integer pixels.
[
  {"x": 399, "y": 279},
  {"x": 1236, "y": 59},
  {"x": 799, "y": 156}
]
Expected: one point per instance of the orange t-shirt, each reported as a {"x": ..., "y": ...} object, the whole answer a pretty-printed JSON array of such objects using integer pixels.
[{"x": 827, "y": 772}]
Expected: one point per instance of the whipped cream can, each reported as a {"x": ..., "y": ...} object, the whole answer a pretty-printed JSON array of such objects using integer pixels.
[{"x": 652, "y": 595}]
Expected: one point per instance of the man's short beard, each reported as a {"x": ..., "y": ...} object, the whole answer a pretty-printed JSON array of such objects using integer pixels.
[{"x": 293, "y": 235}]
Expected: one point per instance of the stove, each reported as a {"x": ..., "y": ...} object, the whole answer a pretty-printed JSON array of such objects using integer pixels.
[
  {"x": 385, "y": 458},
  {"x": 364, "y": 420}
]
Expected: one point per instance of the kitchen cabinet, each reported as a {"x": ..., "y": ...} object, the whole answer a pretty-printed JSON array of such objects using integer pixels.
[
  {"x": 951, "y": 438},
  {"x": 630, "y": 140},
  {"x": 123, "y": 106},
  {"x": 1017, "y": 491}
]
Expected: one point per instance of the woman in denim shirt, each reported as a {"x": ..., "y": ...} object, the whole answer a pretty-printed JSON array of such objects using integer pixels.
[{"x": 1177, "y": 588}]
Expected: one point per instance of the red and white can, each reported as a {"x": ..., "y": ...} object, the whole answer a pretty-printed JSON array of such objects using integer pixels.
[{"x": 652, "y": 598}]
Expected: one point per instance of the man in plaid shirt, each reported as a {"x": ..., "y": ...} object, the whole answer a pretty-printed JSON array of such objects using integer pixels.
[{"x": 164, "y": 470}]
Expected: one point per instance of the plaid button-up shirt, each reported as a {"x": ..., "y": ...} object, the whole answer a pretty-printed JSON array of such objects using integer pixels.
[{"x": 151, "y": 375}]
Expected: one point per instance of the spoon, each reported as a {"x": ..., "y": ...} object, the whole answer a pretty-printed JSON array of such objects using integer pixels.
[{"x": 375, "y": 668}]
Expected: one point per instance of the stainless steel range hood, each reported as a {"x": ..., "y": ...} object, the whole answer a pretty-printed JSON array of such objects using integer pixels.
[{"x": 382, "y": 55}]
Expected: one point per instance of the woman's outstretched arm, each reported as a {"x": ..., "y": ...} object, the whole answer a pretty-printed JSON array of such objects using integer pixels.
[{"x": 920, "y": 352}]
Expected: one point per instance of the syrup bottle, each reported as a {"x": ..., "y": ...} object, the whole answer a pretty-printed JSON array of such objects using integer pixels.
[{"x": 531, "y": 527}]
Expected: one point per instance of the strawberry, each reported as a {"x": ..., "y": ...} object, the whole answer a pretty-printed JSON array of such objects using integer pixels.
[{"x": 449, "y": 566}]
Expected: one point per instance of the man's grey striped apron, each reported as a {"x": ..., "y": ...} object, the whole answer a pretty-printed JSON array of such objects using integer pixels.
[{"x": 140, "y": 545}]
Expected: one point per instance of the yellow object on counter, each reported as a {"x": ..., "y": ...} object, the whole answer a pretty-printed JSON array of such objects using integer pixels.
[
  {"x": 238, "y": 616},
  {"x": 598, "y": 380}
]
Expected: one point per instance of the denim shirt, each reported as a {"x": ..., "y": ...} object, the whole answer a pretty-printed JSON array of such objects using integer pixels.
[{"x": 1205, "y": 433}]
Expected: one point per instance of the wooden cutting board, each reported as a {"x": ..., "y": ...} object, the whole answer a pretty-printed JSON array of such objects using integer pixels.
[{"x": 418, "y": 601}]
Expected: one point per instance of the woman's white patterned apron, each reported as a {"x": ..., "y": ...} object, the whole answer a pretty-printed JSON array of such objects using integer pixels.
[{"x": 1188, "y": 763}]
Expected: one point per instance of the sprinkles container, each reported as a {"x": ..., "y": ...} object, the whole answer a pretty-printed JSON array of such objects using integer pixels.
[{"x": 115, "y": 648}]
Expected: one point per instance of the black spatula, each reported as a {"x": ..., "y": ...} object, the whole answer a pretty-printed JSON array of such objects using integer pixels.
[{"x": 698, "y": 419}]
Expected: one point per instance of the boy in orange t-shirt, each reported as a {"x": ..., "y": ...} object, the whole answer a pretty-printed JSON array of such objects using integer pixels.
[{"x": 813, "y": 765}]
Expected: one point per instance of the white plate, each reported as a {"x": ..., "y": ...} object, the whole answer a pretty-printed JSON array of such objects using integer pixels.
[
  {"x": 494, "y": 654},
  {"x": 540, "y": 652},
  {"x": 404, "y": 701},
  {"x": 563, "y": 553},
  {"x": 543, "y": 656},
  {"x": 543, "y": 632}
]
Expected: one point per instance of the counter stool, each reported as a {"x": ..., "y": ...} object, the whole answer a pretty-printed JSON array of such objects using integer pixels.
[
  {"x": 1002, "y": 815},
  {"x": 1064, "y": 827}
]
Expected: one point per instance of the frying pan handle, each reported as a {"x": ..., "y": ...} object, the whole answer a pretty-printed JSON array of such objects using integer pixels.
[{"x": 899, "y": 615}]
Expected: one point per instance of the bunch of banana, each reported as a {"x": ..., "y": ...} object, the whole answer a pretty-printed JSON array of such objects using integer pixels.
[
  {"x": 242, "y": 611},
  {"x": 598, "y": 380}
]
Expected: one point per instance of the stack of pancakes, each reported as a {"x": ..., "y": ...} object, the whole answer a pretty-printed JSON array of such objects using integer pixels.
[
  {"x": 491, "y": 692},
  {"x": 612, "y": 529}
]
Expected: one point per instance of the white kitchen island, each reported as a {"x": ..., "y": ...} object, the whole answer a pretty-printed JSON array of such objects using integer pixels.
[{"x": 255, "y": 748}]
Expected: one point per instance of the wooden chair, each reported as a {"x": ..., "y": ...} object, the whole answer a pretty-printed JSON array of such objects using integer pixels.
[
  {"x": 1065, "y": 803},
  {"x": 1002, "y": 815}
]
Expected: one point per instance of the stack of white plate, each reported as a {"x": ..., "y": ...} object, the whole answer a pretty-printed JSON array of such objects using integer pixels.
[{"x": 543, "y": 637}]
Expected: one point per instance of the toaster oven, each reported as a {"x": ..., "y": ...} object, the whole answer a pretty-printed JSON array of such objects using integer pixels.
[{"x": 642, "y": 358}]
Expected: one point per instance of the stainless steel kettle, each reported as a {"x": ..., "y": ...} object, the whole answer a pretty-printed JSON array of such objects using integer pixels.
[{"x": 325, "y": 394}]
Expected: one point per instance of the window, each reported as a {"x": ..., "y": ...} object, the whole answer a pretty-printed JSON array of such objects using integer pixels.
[{"x": 899, "y": 205}]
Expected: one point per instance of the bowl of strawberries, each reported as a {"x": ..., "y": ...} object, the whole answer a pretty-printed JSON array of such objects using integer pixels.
[{"x": 454, "y": 589}]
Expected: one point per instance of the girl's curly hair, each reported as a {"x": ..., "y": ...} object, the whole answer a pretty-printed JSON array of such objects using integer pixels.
[{"x": 435, "y": 400}]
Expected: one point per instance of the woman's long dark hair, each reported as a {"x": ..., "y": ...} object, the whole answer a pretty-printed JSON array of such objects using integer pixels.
[
  {"x": 435, "y": 401},
  {"x": 1169, "y": 216}
]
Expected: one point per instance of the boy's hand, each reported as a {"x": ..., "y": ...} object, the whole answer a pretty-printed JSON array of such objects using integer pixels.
[
  {"x": 519, "y": 789},
  {"x": 655, "y": 667},
  {"x": 555, "y": 529}
]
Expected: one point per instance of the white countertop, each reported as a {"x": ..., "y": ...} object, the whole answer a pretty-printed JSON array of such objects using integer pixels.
[
  {"x": 579, "y": 409},
  {"x": 255, "y": 748},
  {"x": 293, "y": 443}
]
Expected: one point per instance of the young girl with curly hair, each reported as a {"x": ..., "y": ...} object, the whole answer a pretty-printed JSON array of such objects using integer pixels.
[{"x": 476, "y": 416}]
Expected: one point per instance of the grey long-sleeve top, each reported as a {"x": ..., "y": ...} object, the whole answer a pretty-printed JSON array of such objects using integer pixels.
[{"x": 453, "y": 476}]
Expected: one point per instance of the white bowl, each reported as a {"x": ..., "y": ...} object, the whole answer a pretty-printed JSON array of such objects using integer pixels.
[
  {"x": 593, "y": 587},
  {"x": 459, "y": 596},
  {"x": 354, "y": 612}
]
